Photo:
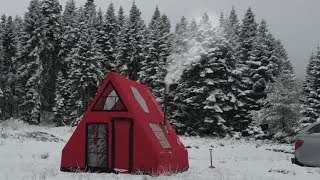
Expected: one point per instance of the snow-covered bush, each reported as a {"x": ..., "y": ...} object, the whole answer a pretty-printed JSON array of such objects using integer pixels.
[{"x": 282, "y": 107}]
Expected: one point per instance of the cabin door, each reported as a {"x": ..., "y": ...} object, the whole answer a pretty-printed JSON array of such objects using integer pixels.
[
  {"x": 122, "y": 144},
  {"x": 97, "y": 147}
]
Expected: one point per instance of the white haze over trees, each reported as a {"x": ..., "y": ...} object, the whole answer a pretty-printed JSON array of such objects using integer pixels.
[{"x": 225, "y": 75}]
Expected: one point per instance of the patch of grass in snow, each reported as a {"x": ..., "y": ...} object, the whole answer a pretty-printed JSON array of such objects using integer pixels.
[
  {"x": 282, "y": 171},
  {"x": 281, "y": 150},
  {"x": 44, "y": 156},
  {"x": 42, "y": 136}
]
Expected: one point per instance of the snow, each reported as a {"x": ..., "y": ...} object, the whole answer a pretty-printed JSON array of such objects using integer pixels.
[{"x": 33, "y": 158}]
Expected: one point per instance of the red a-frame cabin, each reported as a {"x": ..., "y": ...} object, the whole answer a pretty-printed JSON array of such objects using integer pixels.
[{"x": 123, "y": 131}]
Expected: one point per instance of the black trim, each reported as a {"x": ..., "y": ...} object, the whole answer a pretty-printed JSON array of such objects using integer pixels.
[
  {"x": 164, "y": 131},
  {"x": 94, "y": 169},
  {"x": 130, "y": 161},
  {"x": 122, "y": 119},
  {"x": 125, "y": 107}
]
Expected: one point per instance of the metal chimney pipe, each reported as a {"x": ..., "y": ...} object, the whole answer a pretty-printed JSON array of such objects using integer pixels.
[{"x": 166, "y": 93}]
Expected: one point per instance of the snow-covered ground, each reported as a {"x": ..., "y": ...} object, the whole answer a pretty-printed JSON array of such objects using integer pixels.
[{"x": 33, "y": 153}]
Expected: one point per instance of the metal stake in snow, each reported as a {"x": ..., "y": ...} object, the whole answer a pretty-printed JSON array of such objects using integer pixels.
[{"x": 211, "y": 159}]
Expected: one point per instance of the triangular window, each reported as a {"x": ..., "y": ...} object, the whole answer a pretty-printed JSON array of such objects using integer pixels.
[{"x": 109, "y": 101}]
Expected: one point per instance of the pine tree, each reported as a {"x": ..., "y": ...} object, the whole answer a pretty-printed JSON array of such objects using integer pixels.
[
  {"x": 221, "y": 102},
  {"x": 133, "y": 49},
  {"x": 18, "y": 22},
  {"x": 182, "y": 35},
  {"x": 282, "y": 111},
  {"x": 154, "y": 68},
  {"x": 205, "y": 28},
  {"x": 232, "y": 28},
  {"x": 85, "y": 69},
  {"x": 30, "y": 73},
  {"x": 206, "y": 97},
  {"x": 52, "y": 31},
  {"x": 121, "y": 18},
  {"x": 311, "y": 102},
  {"x": 284, "y": 64},
  {"x": 1, "y": 65},
  {"x": 192, "y": 29},
  {"x": 109, "y": 40},
  {"x": 71, "y": 31},
  {"x": 246, "y": 63},
  {"x": 121, "y": 42},
  {"x": 8, "y": 67},
  {"x": 2, "y": 99}
]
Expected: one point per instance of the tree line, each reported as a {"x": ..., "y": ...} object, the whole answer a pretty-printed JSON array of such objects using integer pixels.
[{"x": 53, "y": 61}]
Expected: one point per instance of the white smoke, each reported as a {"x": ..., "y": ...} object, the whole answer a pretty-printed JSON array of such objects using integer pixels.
[{"x": 181, "y": 61}]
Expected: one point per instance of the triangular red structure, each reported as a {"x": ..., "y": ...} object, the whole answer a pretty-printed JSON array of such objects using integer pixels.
[{"x": 122, "y": 131}]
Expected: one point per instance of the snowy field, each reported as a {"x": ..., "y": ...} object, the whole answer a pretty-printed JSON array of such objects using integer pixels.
[{"x": 33, "y": 153}]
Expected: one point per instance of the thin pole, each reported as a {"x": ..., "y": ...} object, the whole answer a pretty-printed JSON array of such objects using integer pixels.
[
  {"x": 211, "y": 166},
  {"x": 210, "y": 157}
]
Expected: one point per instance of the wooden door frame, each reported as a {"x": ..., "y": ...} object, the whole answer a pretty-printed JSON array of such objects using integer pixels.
[
  {"x": 99, "y": 169},
  {"x": 130, "y": 160}
]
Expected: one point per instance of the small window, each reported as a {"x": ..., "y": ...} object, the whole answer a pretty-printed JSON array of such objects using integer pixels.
[
  {"x": 314, "y": 129},
  {"x": 109, "y": 101},
  {"x": 140, "y": 99},
  {"x": 160, "y": 135}
]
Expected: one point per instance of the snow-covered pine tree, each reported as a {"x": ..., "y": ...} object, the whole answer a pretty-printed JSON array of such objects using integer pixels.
[
  {"x": 109, "y": 39},
  {"x": 196, "y": 84},
  {"x": 246, "y": 65},
  {"x": 8, "y": 67},
  {"x": 99, "y": 23},
  {"x": 151, "y": 64},
  {"x": 282, "y": 110},
  {"x": 284, "y": 62},
  {"x": 70, "y": 31},
  {"x": 1, "y": 65},
  {"x": 311, "y": 104},
  {"x": 121, "y": 39},
  {"x": 132, "y": 51},
  {"x": 220, "y": 104},
  {"x": 192, "y": 29},
  {"x": 206, "y": 100},
  {"x": 222, "y": 20},
  {"x": 232, "y": 28},
  {"x": 270, "y": 61},
  {"x": 121, "y": 18},
  {"x": 69, "y": 39},
  {"x": 154, "y": 66},
  {"x": 52, "y": 31},
  {"x": 30, "y": 74},
  {"x": 180, "y": 44},
  {"x": 181, "y": 36},
  {"x": 18, "y": 24},
  {"x": 205, "y": 28},
  {"x": 84, "y": 65}
]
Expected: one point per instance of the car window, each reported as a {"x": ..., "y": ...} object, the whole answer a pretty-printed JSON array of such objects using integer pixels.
[{"x": 314, "y": 129}]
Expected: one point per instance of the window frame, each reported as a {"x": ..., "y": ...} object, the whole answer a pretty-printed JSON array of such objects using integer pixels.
[
  {"x": 317, "y": 127},
  {"x": 125, "y": 109},
  {"x": 87, "y": 151},
  {"x": 139, "y": 94},
  {"x": 164, "y": 135}
]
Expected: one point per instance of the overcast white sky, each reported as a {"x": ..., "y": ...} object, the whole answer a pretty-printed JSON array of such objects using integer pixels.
[{"x": 295, "y": 22}]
